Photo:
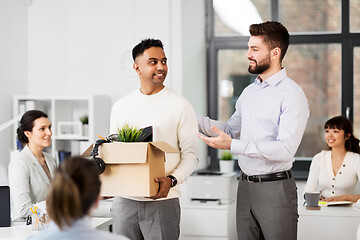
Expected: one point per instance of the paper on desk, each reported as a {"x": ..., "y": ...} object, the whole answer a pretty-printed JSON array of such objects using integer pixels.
[{"x": 334, "y": 203}]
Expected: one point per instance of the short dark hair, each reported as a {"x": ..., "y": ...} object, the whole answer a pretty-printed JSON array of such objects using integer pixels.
[
  {"x": 275, "y": 35},
  {"x": 343, "y": 123},
  {"x": 27, "y": 124},
  {"x": 146, "y": 44}
]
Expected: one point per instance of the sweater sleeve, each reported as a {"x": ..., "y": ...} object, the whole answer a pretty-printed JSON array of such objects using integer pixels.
[
  {"x": 113, "y": 119},
  {"x": 312, "y": 183},
  {"x": 357, "y": 170},
  {"x": 188, "y": 144}
]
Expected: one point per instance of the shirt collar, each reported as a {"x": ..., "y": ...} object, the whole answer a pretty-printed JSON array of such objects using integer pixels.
[{"x": 273, "y": 80}]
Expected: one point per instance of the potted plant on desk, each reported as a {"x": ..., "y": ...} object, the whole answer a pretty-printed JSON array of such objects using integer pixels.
[{"x": 226, "y": 162}]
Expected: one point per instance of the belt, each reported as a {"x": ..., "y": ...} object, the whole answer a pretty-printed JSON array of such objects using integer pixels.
[{"x": 267, "y": 177}]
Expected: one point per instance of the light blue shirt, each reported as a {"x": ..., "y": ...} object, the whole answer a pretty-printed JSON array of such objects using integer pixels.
[
  {"x": 80, "y": 230},
  {"x": 267, "y": 126}
]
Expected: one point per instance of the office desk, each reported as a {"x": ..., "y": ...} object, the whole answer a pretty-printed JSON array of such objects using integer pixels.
[
  {"x": 20, "y": 231},
  {"x": 335, "y": 222}
]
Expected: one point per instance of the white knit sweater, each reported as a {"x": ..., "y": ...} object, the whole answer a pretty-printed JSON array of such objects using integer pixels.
[
  {"x": 174, "y": 122},
  {"x": 321, "y": 176}
]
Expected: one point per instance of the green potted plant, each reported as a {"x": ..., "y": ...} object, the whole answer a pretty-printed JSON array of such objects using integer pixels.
[
  {"x": 226, "y": 162},
  {"x": 84, "y": 119},
  {"x": 128, "y": 133},
  {"x": 85, "y": 125}
]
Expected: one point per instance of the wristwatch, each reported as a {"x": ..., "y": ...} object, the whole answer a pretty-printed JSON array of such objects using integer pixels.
[{"x": 173, "y": 180}]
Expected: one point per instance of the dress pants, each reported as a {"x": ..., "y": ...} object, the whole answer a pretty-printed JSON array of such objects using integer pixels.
[
  {"x": 267, "y": 210},
  {"x": 147, "y": 220}
]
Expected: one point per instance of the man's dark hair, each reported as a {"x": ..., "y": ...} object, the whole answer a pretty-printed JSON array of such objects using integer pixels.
[
  {"x": 274, "y": 33},
  {"x": 146, "y": 44}
]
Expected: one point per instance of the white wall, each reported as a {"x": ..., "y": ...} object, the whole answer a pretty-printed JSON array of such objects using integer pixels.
[
  {"x": 84, "y": 47},
  {"x": 13, "y": 68}
]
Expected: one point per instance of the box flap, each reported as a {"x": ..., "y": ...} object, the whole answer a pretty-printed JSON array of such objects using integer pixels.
[
  {"x": 163, "y": 146},
  {"x": 121, "y": 152},
  {"x": 87, "y": 151}
]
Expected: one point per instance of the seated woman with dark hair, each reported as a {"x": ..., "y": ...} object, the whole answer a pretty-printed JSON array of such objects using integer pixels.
[
  {"x": 31, "y": 171},
  {"x": 336, "y": 172},
  {"x": 74, "y": 194}
]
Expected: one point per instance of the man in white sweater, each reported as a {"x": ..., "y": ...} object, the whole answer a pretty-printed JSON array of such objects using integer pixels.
[{"x": 174, "y": 121}]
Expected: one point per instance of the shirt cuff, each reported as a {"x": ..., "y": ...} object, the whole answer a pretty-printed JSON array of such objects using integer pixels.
[{"x": 238, "y": 146}]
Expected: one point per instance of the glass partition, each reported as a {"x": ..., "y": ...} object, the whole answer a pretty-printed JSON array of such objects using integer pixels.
[
  {"x": 354, "y": 15},
  {"x": 357, "y": 92},
  {"x": 311, "y": 15}
]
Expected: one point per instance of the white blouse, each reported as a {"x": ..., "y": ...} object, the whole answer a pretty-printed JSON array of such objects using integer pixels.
[{"x": 321, "y": 176}]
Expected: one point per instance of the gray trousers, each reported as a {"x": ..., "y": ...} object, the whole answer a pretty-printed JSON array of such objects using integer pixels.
[
  {"x": 150, "y": 220},
  {"x": 267, "y": 210}
]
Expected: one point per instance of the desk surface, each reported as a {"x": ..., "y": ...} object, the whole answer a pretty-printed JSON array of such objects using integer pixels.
[
  {"x": 20, "y": 231},
  {"x": 335, "y": 222},
  {"x": 331, "y": 211}
]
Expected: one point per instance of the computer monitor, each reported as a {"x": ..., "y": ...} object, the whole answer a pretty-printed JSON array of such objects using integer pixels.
[{"x": 5, "y": 218}]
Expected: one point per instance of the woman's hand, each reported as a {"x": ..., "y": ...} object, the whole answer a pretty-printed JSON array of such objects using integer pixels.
[
  {"x": 351, "y": 198},
  {"x": 336, "y": 198}
]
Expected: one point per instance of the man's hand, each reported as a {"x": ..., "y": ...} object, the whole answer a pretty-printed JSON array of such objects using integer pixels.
[
  {"x": 164, "y": 188},
  {"x": 222, "y": 141}
]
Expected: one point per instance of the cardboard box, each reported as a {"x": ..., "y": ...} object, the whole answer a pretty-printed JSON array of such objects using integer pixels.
[{"x": 132, "y": 167}]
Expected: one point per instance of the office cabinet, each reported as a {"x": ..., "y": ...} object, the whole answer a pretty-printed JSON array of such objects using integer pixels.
[
  {"x": 208, "y": 221},
  {"x": 64, "y": 112}
]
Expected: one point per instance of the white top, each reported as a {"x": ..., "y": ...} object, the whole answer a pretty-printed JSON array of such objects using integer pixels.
[
  {"x": 174, "y": 122},
  {"x": 81, "y": 230},
  {"x": 28, "y": 181},
  {"x": 270, "y": 119},
  {"x": 321, "y": 176}
]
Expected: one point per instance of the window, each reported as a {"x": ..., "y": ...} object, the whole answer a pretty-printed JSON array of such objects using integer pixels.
[
  {"x": 357, "y": 92},
  {"x": 354, "y": 15},
  {"x": 321, "y": 58},
  {"x": 310, "y": 16}
]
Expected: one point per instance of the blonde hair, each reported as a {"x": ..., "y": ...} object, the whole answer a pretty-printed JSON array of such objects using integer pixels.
[{"x": 74, "y": 190}]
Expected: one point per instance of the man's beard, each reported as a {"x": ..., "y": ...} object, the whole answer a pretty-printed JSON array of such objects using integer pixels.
[{"x": 259, "y": 68}]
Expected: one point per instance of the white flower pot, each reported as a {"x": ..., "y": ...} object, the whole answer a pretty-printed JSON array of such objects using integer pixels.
[
  {"x": 226, "y": 166},
  {"x": 85, "y": 130}
]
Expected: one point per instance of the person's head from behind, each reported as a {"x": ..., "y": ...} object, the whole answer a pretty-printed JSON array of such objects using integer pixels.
[
  {"x": 339, "y": 133},
  {"x": 74, "y": 190},
  {"x": 150, "y": 62},
  {"x": 267, "y": 45},
  {"x": 35, "y": 129}
]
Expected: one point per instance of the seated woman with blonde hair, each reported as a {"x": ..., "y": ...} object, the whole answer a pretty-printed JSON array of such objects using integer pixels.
[
  {"x": 336, "y": 172},
  {"x": 73, "y": 195}
]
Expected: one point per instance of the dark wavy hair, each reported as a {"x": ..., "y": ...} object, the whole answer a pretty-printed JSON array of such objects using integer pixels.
[
  {"x": 343, "y": 123},
  {"x": 275, "y": 35},
  {"x": 27, "y": 124},
  {"x": 144, "y": 45}
]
